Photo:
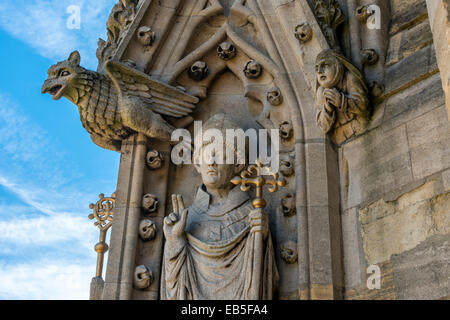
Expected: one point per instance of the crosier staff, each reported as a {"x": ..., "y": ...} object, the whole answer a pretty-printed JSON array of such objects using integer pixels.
[{"x": 259, "y": 229}]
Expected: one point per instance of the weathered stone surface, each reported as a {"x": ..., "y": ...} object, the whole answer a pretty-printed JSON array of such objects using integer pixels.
[
  {"x": 396, "y": 226},
  {"x": 423, "y": 272},
  {"x": 429, "y": 142},
  {"x": 409, "y": 41},
  {"x": 406, "y": 13}
]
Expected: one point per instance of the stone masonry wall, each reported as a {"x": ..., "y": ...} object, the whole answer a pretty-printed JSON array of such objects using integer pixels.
[{"x": 395, "y": 179}]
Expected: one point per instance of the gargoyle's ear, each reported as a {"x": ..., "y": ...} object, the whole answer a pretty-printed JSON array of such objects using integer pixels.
[{"x": 75, "y": 58}]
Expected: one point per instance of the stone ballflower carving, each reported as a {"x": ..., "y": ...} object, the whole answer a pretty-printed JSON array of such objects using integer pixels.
[
  {"x": 147, "y": 230},
  {"x": 143, "y": 277},
  {"x": 289, "y": 252},
  {"x": 252, "y": 69},
  {"x": 330, "y": 17},
  {"x": 304, "y": 32},
  {"x": 287, "y": 166},
  {"x": 286, "y": 130},
  {"x": 116, "y": 106},
  {"x": 226, "y": 51},
  {"x": 154, "y": 160},
  {"x": 288, "y": 205},
  {"x": 198, "y": 71},
  {"x": 369, "y": 57},
  {"x": 146, "y": 36},
  {"x": 150, "y": 203},
  {"x": 363, "y": 13},
  {"x": 341, "y": 96},
  {"x": 275, "y": 97}
]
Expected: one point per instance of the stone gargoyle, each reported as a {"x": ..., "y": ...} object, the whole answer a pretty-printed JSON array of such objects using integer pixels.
[{"x": 122, "y": 103}]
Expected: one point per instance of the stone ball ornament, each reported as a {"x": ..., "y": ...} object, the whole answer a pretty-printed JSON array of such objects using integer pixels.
[
  {"x": 253, "y": 69},
  {"x": 286, "y": 130},
  {"x": 143, "y": 277},
  {"x": 150, "y": 203},
  {"x": 288, "y": 205},
  {"x": 304, "y": 32},
  {"x": 146, "y": 36},
  {"x": 369, "y": 57},
  {"x": 226, "y": 51},
  {"x": 154, "y": 160},
  {"x": 147, "y": 230},
  {"x": 275, "y": 97},
  {"x": 289, "y": 252},
  {"x": 198, "y": 71},
  {"x": 287, "y": 167}
]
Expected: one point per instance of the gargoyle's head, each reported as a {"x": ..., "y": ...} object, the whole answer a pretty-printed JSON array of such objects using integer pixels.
[{"x": 62, "y": 76}]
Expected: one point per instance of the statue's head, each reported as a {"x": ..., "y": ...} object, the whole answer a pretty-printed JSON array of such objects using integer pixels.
[
  {"x": 217, "y": 174},
  {"x": 63, "y": 76},
  {"x": 329, "y": 69}
]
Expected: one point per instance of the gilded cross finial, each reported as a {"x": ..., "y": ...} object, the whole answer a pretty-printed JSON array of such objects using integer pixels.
[{"x": 246, "y": 181}]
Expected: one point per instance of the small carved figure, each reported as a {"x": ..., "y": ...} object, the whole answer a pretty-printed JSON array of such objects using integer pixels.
[
  {"x": 116, "y": 106},
  {"x": 274, "y": 96},
  {"x": 146, "y": 36},
  {"x": 288, "y": 205},
  {"x": 147, "y": 230},
  {"x": 252, "y": 69},
  {"x": 369, "y": 57},
  {"x": 198, "y": 71},
  {"x": 150, "y": 203},
  {"x": 289, "y": 252},
  {"x": 286, "y": 130},
  {"x": 154, "y": 160},
  {"x": 143, "y": 277},
  {"x": 304, "y": 32},
  {"x": 341, "y": 96},
  {"x": 226, "y": 51}
]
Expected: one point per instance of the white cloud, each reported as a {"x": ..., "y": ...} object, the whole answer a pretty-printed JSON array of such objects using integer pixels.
[
  {"x": 42, "y": 24},
  {"x": 45, "y": 280}
]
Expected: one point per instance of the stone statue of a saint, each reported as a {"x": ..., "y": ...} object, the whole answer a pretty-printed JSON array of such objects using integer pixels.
[
  {"x": 341, "y": 96},
  {"x": 210, "y": 251}
]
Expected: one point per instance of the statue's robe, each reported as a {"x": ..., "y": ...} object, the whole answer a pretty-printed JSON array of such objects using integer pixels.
[
  {"x": 217, "y": 261},
  {"x": 348, "y": 118}
]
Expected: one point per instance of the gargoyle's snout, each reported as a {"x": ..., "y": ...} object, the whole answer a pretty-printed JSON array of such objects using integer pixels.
[{"x": 55, "y": 89}]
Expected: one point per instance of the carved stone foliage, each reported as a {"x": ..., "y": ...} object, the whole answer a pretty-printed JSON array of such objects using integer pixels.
[
  {"x": 147, "y": 230},
  {"x": 143, "y": 277},
  {"x": 341, "y": 97},
  {"x": 330, "y": 17},
  {"x": 289, "y": 252},
  {"x": 118, "y": 22},
  {"x": 150, "y": 203}
]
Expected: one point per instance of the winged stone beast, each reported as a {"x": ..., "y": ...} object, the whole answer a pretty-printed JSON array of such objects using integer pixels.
[{"x": 121, "y": 103}]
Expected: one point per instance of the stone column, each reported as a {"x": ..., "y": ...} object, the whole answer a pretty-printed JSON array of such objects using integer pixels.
[
  {"x": 124, "y": 234},
  {"x": 439, "y": 13}
]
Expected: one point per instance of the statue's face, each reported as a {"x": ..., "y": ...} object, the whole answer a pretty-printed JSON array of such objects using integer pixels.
[
  {"x": 216, "y": 176},
  {"x": 328, "y": 72}
]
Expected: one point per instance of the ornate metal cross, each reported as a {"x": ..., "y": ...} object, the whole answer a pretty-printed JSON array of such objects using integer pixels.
[{"x": 259, "y": 181}]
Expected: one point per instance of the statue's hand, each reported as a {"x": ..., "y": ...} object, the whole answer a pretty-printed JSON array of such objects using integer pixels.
[
  {"x": 333, "y": 96},
  {"x": 259, "y": 222},
  {"x": 175, "y": 223}
]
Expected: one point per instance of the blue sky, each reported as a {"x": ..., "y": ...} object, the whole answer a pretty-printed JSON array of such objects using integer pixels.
[{"x": 50, "y": 171}]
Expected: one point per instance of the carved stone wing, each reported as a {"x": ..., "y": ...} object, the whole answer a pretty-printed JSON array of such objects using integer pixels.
[{"x": 158, "y": 96}]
